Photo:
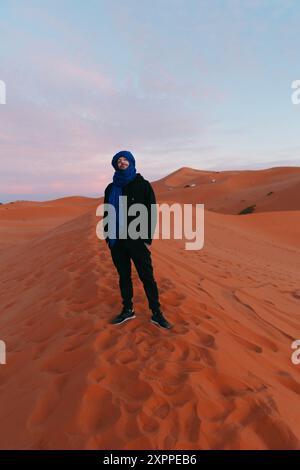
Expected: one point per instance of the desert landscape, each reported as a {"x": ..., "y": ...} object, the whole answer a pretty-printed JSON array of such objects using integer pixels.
[{"x": 222, "y": 378}]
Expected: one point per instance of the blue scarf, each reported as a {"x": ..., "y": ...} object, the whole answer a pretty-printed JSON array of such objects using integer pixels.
[{"x": 120, "y": 179}]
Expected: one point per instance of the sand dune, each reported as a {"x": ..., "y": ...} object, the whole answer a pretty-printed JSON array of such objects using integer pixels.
[
  {"x": 222, "y": 378},
  {"x": 22, "y": 220},
  {"x": 273, "y": 189}
]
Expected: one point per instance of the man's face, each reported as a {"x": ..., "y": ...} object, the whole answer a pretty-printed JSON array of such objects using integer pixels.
[{"x": 122, "y": 163}]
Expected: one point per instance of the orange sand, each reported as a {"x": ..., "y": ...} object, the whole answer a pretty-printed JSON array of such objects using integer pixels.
[{"x": 222, "y": 378}]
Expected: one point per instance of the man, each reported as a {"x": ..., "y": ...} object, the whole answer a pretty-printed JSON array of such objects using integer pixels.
[{"x": 127, "y": 182}]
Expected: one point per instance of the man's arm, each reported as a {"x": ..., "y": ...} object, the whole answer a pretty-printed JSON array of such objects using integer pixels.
[
  {"x": 150, "y": 201},
  {"x": 105, "y": 201}
]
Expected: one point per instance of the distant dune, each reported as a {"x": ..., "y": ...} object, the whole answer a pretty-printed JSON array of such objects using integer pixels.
[
  {"x": 222, "y": 378},
  {"x": 273, "y": 189}
]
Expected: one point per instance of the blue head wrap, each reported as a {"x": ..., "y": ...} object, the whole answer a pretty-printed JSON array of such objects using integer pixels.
[{"x": 120, "y": 179}]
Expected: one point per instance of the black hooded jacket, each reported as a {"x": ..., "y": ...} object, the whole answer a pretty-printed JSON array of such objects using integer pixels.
[{"x": 139, "y": 190}]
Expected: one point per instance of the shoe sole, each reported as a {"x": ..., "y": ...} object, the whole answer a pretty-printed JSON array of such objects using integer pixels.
[
  {"x": 158, "y": 324},
  {"x": 125, "y": 319}
]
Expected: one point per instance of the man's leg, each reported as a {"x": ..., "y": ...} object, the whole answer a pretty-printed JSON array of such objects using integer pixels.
[
  {"x": 141, "y": 256},
  {"x": 121, "y": 260}
]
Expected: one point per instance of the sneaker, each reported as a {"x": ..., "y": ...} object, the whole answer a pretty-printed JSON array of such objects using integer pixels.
[
  {"x": 160, "y": 320},
  {"x": 126, "y": 314}
]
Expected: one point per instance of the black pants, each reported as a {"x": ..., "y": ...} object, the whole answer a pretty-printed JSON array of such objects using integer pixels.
[{"x": 122, "y": 253}]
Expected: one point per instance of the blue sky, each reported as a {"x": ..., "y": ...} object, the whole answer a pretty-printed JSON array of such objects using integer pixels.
[{"x": 205, "y": 84}]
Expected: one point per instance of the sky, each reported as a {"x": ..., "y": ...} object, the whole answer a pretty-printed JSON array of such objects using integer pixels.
[{"x": 203, "y": 84}]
